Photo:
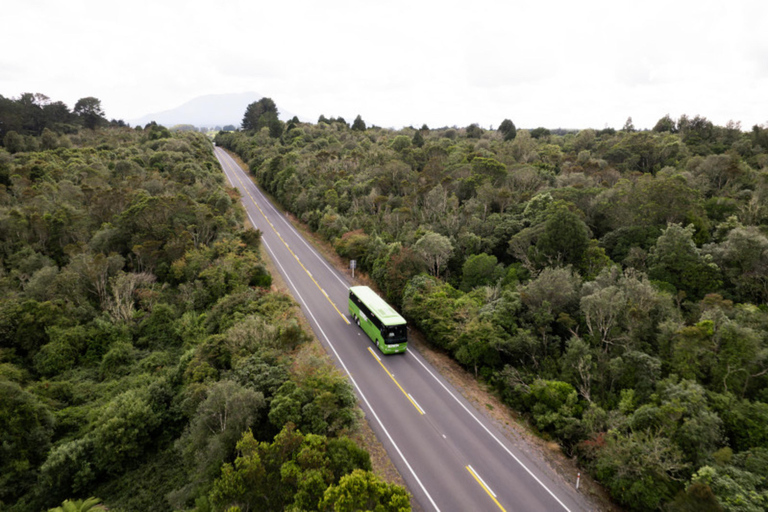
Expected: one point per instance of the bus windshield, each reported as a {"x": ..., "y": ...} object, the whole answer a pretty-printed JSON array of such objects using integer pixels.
[{"x": 394, "y": 334}]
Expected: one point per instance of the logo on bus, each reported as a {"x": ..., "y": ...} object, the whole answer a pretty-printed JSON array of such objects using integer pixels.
[{"x": 362, "y": 315}]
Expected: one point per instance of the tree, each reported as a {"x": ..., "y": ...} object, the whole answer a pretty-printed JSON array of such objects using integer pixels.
[
  {"x": 435, "y": 249},
  {"x": 675, "y": 259},
  {"x": 603, "y": 311},
  {"x": 474, "y": 131},
  {"x": 241, "y": 483},
  {"x": 432, "y": 304},
  {"x": 275, "y": 125},
  {"x": 14, "y": 142},
  {"x": 629, "y": 126},
  {"x": 26, "y": 428},
  {"x": 564, "y": 240},
  {"x": 743, "y": 256},
  {"x": 362, "y": 490},
  {"x": 322, "y": 404},
  {"x": 259, "y": 114},
  {"x": 721, "y": 487},
  {"x": 696, "y": 133},
  {"x": 665, "y": 124},
  {"x": 400, "y": 143},
  {"x": 555, "y": 407},
  {"x": 229, "y": 410},
  {"x": 291, "y": 473},
  {"x": 476, "y": 346},
  {"x": 553, "y": 290},
  {"x": 480, "y": 270},
  {"x": 418, "y": 139},
  {"x": 681, "y": 413},
  {"x": 90, "y": 112},
  {"x": 641, "y": 469},
  {"x": 580, "y": 366},
  {"x": 489, "y": 168},
  {"x": 508, "y": 129},
  {"x": 399, "y": 268},
  {"x": 123, "y": 429},
  {"x": 124, "y": 285},
  {"x": 652, "y": 200},
  {"x": 12, "y": 114},
  {"x": 49, "y": 140},
  {"x": 358, "y": 124}
]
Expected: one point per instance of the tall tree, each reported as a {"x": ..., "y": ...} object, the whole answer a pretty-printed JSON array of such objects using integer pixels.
[
  {"x": 358, "y": 124},
  {"x": 564, "y": 240},
  {"x": 435, "y": 249},
  {"x": 676, "y": 260},
  {"x": 418, "y": 139},
  {"x": 259, "y": 114},
  {"x": 90, "y": 111},
  {"x": 507, "y": 128},
  {"x": 665, "y": 124}
]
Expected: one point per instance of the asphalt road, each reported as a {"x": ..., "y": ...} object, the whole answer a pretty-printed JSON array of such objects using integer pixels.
[{"x": 450, "y": 455}]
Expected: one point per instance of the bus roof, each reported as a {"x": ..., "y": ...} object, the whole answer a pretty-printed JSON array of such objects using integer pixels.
[{"x": 376, "y": 304}]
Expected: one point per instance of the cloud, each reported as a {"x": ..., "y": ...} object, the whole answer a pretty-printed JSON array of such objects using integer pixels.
[
  {"x": 12, "y": 71},
  {"x": 559, "y": 63}
]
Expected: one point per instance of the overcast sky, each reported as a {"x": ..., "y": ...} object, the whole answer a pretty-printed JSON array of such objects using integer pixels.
[{"x": 556, "y": 63}]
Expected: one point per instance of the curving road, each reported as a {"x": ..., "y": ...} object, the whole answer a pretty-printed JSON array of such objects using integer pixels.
[{"x": 451, "y": 456}]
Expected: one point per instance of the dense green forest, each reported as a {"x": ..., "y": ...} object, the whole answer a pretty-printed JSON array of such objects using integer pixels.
[
  {"x": 610, "y": 285},
  {"x": 145, "y": 359}
]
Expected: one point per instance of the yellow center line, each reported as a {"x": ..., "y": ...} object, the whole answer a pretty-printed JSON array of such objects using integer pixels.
[
  {"x": 237, "y": 175},
  {"x": 485, "y": 487},
  {"x": 396, "y": 383}
]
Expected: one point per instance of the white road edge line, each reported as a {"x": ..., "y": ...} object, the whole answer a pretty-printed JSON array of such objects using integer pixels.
[
  {"x": 481, "y": 480},
  {"x": 372, "y": 352},
  {"x": 360, "y": 392},
  {"x": 417, "y": 404}
]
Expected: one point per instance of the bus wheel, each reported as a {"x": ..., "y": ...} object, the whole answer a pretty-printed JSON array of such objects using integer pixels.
[{"x": 357, "y": 320}]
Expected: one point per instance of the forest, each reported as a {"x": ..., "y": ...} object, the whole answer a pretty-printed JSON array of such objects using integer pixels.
[
  {"x": 146, "y": 362},
  {"x": 610, "y": 285}
]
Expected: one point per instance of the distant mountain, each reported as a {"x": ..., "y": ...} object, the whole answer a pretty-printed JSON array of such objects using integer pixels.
[{"x": 209, "y": 111}]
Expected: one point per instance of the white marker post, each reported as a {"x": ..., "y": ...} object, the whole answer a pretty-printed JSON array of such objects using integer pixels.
[
  {"x": 578, "y": 479},
  {"x": 352, "y": 265}
]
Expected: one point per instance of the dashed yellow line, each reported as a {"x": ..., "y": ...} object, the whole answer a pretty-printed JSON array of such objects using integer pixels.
[
  {"x": 285, "y": 243},
  {"x": 395, "y": 381},
  {"x": 485, "y": 487}
]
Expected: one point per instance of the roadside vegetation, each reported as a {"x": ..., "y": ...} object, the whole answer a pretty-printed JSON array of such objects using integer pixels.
[
  {"x": 610, "y": 285},
  {"x": 146, "y": 363}
]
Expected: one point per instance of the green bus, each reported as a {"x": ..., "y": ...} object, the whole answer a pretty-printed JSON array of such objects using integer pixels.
[{"x": 378, "y": 320}]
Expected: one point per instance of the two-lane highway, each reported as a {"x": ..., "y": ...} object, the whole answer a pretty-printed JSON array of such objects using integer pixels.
[{"x": 451, "y": 456}]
